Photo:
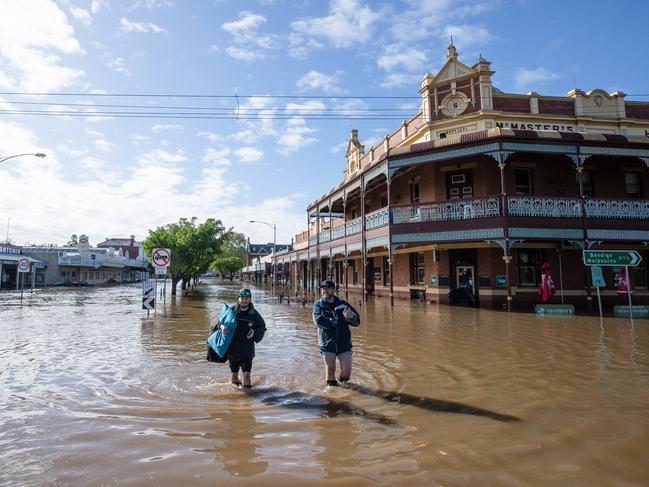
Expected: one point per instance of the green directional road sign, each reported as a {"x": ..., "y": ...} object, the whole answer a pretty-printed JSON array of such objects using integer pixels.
[{"x": 612, "y": 257}]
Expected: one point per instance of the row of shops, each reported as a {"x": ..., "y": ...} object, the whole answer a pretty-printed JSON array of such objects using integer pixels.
[
  {"x": 481, "y": 196},
  {"x": 112, "y": 261}
]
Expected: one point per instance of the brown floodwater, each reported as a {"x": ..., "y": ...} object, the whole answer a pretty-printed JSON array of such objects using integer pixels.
[{"x": 93, "y": 393}]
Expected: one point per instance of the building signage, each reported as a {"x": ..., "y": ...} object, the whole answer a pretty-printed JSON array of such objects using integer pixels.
[
  {"x": 457, "y": 130},
  {"x": 538, "y": 127},
  {"x": 501, "y": 281},
  {"x": 638, "y": 310},
  {"x": 554, "y": 309},
  {"x": 612, "y": 257}
]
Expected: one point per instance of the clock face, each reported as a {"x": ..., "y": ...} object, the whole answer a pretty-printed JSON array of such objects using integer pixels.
[{"x": 455, "y": 105}]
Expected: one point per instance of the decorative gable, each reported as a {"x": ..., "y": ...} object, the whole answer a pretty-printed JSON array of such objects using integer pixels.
[{"x": 354, "y": 153}]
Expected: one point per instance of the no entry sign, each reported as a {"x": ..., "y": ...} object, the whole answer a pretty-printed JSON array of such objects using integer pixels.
[
  {"x": 24, "y": 265},
  {"x": 161, "y": 257}
]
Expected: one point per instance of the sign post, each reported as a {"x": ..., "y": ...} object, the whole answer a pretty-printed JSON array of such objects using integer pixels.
[
  {"x": 614, "y": 258},
  {"x": 148, "y": 296},
  {"x": 24, "y": 265},
  {"x": 598, "y": 281},
  {"x": 161, "y": 260}
]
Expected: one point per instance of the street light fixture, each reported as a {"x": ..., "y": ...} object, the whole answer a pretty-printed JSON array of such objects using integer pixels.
[
  {"x": 35, "y": 154},
  {"x": 272, "y": 259}
]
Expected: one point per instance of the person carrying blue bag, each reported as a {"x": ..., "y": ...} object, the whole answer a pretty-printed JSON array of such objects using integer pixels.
[{"x": 239, "y": 327}]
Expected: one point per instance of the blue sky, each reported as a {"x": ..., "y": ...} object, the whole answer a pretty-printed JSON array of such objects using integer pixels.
[{"x": 113, "y": 177}]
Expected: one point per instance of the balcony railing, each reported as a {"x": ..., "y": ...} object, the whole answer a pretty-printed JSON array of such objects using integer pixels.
[
  {"x": 490, "y": 206},
  {"x": 618, "y": 209},
  {"x": 544, "y": 206},
  {"x": 447, "y": 210},
  {"x": 377, "y": 219}
]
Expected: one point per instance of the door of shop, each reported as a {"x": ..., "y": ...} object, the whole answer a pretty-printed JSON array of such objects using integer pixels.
[{"x": 464, "y": 286}]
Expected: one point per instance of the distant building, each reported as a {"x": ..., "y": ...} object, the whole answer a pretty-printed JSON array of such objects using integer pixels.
[
  {"x": 87, "y": 265},
  {"x": 9, "y": 257},
  {"x": 261, "y": 250}
]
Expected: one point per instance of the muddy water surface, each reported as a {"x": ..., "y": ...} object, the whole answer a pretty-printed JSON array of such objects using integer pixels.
[{"x": 94, "y": 393}]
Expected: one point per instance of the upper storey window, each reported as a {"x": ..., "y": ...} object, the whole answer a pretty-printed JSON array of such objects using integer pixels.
[
  {"x": 633, "y": 183},
  {"x": 523, "y": 180}
]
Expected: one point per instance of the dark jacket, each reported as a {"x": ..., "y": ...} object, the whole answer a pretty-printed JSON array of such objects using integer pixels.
[
  {"x": 333, "y": 328},
  {"x": 241, "y": 347}
]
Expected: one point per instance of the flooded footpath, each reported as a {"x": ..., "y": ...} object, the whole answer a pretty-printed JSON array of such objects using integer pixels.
[{"x": 93, "y": 393}]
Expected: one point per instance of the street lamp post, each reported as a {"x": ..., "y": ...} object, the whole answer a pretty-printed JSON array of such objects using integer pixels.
[
  {"x": 35, "y": 154},
  {"x": 272, "y": 259}
]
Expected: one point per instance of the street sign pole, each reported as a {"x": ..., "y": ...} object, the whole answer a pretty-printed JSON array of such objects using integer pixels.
[{"x": 628, "y": 291}]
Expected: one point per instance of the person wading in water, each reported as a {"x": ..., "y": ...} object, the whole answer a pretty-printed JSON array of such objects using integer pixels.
[
  {"x": 250, "y": 329},
  {"x": 333, "y": 316}
]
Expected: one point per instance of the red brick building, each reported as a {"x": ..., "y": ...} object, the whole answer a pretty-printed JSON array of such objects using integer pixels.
[{"x": 471, "y": 196}]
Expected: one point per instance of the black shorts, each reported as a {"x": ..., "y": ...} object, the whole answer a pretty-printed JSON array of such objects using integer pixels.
[{"x": 246, "y": 365}]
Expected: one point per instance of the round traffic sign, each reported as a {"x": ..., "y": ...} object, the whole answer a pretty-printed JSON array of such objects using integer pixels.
[
  {"x": 161, "y": 257},
  {"x": 24, "y": 264}
]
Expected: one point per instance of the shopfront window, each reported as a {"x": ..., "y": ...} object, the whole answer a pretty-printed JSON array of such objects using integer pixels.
[
  {"x": 529, "y": 267},
  {"x": 586, "y": 183}
]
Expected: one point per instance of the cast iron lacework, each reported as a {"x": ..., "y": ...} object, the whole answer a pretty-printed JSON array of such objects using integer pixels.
[
  {"x": 618, "y": 234},
  {"x": 447, "y": 210},
  {"x": 624, "y": 209},
  {"x": 544, "y": 207}
]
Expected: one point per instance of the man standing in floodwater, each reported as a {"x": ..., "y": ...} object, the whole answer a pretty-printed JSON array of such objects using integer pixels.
[
  {"x": 250, "y": 329},
  {"x": 333, "y": 317}
]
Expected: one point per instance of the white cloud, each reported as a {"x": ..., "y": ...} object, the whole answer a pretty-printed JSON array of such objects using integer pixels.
[
  {"x": 246, "y": 26},
  {"x": 296, "y": 136},
  {"x": 466, "y": 35},
  {"x": 217, "y": 157},
  {"x": 317, "y": 81},
  {"x": 166, "y": 127},
  {"x": 82, "y": 15},
  {"x": 92, "y": 163},
  {"x": 397, "y": 57},
  {"x": 399, "y": 79},
  {"x": 126, "y": 25},
  {"x": 104, "y": 145},
  {"x": 248, "y": 154},
  {"x": 33, "y": 37},
  {"x": 95, "y": 5},
  {"x": 349, "y": 22},
  {"x": 243, "y": 54},
  {"x": 528, "y": 78},
  {"x": 300, "y": 47},
  {"x": 117, "y": 65},
  {"x": 212, "y": 136}
]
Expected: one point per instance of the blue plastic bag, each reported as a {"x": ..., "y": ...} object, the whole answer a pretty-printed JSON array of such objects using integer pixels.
[{"x": 219, "y": 341}]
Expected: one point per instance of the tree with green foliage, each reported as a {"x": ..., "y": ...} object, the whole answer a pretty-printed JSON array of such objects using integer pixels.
[
  {"x": 235, "y": 245},
  {"x": 227, "y": 266},
  {"x": 193, "y": 247}
]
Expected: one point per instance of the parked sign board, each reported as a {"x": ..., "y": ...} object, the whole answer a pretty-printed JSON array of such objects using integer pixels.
[
  {"x": 148, "y": 295},
  {"x": 612, "y": 257}
]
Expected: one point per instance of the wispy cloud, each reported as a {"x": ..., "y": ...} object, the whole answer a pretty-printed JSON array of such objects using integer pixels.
[
  {"x": 350, "y": 22},
  {"x": 166, "y": 127},
  {"x": 528, "y": 78},
  {"x": 117, "y": 65},
  {"x": 316, "y": 81},
  {"x": 249, "y": 154},
  {"x": 243, "y": 54},
  {"x": 128, "y": 26}
]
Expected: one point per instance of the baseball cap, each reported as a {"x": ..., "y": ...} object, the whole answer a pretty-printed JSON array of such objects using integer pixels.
[
  {"x": 245, "y": 292},
  {"x": 328, "y": 283}
]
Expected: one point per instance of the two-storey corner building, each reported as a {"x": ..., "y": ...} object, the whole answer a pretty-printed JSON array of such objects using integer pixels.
[{"x": 471, "y": 196}]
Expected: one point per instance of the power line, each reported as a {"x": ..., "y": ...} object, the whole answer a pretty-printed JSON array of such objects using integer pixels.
[{"x": 187, "y": 95}]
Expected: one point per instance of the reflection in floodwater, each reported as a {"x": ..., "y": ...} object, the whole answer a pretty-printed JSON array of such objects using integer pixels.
[
  {"x": 323, "y": 406},
  {"x": 93, "y": 393},
  {"x": 431, "y": 404}
]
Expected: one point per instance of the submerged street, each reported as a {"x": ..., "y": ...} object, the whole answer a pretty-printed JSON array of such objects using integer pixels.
[{"x": 94, "y": 393}]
